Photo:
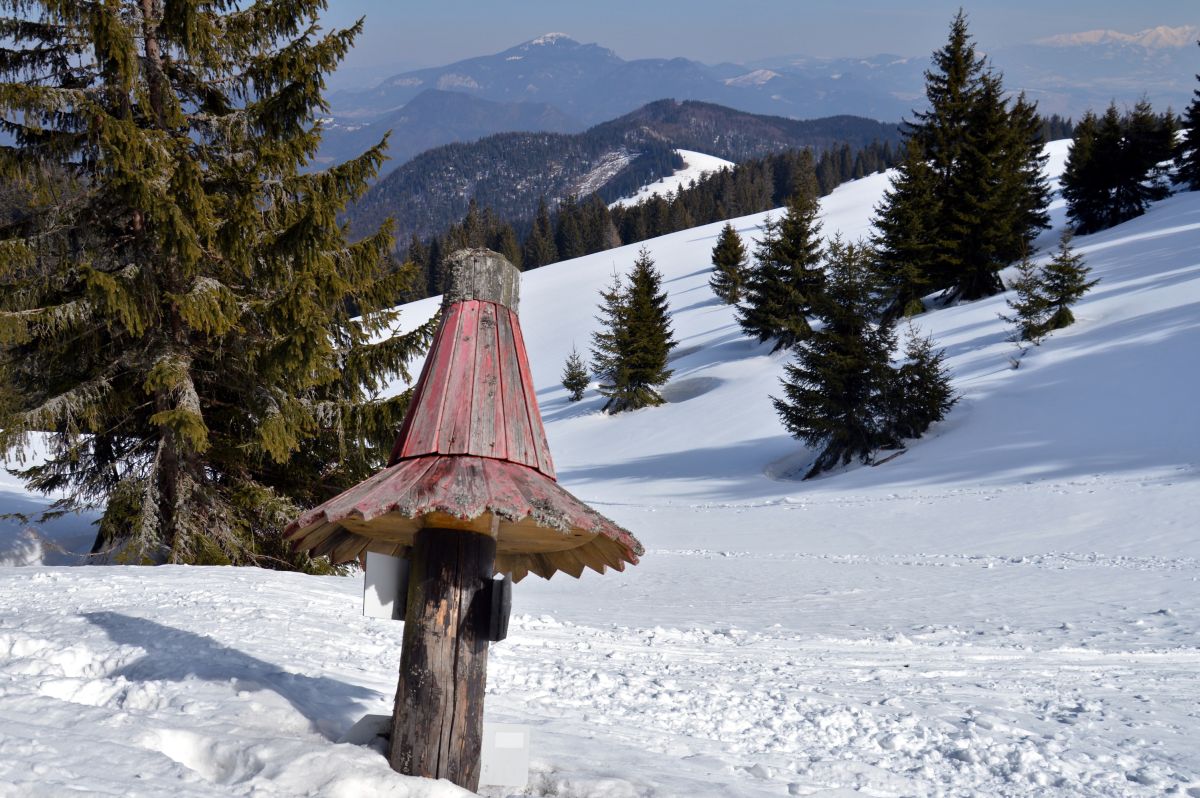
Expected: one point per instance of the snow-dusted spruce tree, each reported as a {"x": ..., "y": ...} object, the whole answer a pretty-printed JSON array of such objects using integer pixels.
[
  {"x": 1188, "y": 161},
  {"x": 175, "y": 302},
  {"x": 836, "y": 393},
  {"x": 631, "y": 350},
  {"x": 730, "y": 266},
  {"x": 575, "y": 376},
  {"x": 785, "y": 284}
]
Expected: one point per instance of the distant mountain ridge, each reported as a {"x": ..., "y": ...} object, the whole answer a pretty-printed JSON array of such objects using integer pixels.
[
  {"x": 592, "y": 83},
  {"x": 435, "y": 117},
  {"x": 510, "y": 172},
  {"x": 1160, "y": 37},
  {"x": 572, "y": 85}
]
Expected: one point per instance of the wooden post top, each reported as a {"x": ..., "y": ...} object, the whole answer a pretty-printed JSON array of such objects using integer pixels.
[{"x": 484, "y": 275}]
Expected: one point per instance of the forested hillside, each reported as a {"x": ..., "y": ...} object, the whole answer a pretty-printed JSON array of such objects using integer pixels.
[{"x": 510, "y": 172}]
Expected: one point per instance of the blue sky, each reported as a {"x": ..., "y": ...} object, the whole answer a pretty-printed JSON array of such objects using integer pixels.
[{"x": 411, "y": 34}]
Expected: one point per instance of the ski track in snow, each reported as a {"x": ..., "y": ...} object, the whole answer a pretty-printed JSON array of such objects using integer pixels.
[{"x": 1009, "y": 609}]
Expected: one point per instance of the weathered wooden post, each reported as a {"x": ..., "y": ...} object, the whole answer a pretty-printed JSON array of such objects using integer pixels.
[{"x": 469, "y": 493}]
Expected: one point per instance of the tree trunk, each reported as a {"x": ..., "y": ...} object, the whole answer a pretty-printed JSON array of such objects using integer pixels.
[{"x": 438, "y": 718}]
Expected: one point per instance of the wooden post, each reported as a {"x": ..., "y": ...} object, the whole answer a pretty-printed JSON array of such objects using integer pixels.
[
  {"x": 471, "y": 468},
  {"x": 437, "y": 724}
]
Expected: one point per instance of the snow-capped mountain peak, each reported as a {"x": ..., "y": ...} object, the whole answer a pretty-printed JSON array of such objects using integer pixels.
[
  {"x": 1158, "y": 38},
  {"x": 551, "y": 38}
]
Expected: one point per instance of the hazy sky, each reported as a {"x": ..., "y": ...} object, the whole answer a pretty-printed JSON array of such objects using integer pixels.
[{"x": 410, "y": 34}]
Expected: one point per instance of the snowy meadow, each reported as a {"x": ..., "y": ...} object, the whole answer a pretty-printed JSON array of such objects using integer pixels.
[{"x": 1011, "y": 607}]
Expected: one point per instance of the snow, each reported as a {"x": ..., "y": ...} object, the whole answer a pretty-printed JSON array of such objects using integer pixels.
[
  {"x": 1009, "y": 608},
  {"x": 550, "y": 38},
  {"x": 756, "y": 77},
  {"x": 605, "y": 169},
  {"x": 453, "y": 80},
  {"x": 1161, "y": 37},
  {"x": 695, "y": 166}
]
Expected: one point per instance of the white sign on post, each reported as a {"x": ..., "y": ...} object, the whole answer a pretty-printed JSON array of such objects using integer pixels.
[
  {"x": 384, "y": 580},
  {"x": 505, "y": 757}
]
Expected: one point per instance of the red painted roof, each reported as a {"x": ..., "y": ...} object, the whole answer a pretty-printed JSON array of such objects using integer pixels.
[
  {"x": 471, "y": 454},
  {"x": 541, "y": 527},
  {"x": 475, "y": 395}
]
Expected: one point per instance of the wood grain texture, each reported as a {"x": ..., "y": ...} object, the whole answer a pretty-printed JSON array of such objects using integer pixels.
[
  {"x": 527, "y": 512},
  {"x": 437, "y": 722},
  {"x": 541, "y": 447},
  {"x": 482, "y": 274},
  {"x": 422, "y": 426},
  {"x": 518, "y": 429},
  {"x": 454, "y": 437},
  {"x": 487, "y": 408}
]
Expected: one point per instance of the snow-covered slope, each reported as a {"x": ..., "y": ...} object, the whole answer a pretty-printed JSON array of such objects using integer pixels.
[
  {"x": 1010, "y": 608},
  {"x": 695, "y": 166}
]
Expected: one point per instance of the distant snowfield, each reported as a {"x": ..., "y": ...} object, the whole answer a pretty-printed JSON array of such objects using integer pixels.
[
  {"x": 1011, "y": 607},
  {"x": 695, "y": 166}
]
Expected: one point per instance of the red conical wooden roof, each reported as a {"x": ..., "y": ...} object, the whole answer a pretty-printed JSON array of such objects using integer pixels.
[
  {"x": 475, "y": 395},
  {"x": 472, "y": 452}
]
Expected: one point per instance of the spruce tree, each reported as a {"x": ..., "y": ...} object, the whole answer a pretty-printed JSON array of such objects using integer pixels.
[
  {"x": 1064, "y": 282},
  {"x": 504, "y": 241},
  {"x": 1114, "y": 170},
  {"x": 1044, "y": 296},
  {"x": 176, "y": 320},
  {"x": 569, "y": 235},
  {"x": 1083, "y": 179},
  {"x": 787, "y": 281},
  {"x": 904, "y": 245},
  {"x": 1187, "y": 162},
  {"x": 838, "y": 390},
  {"x": 575, "y": 376},
  {"x": 987, "y": 161},
  {"x": 632, "y": 349},
  {"x": 609, "y": 340},
  {"x": 1146, "y": 142},
  {"x": 920, "y": 393},
  {"x": 540, "y": 249},
  {"x": 1024, "y": 185},
  {"x": 730, "y": 266},
  {"x": 418, "y": 256},
  {"x": 952, "y": 86},
  {"x": 1030, "y": 307}
]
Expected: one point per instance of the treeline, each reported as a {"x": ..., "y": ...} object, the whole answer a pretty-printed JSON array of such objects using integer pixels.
[
  {"x": 1118, "y": 164},
  {"x": 580, "y": 227},
  {"x": 756, "y": 185},
  {"x": 1055, "y": 127}
]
